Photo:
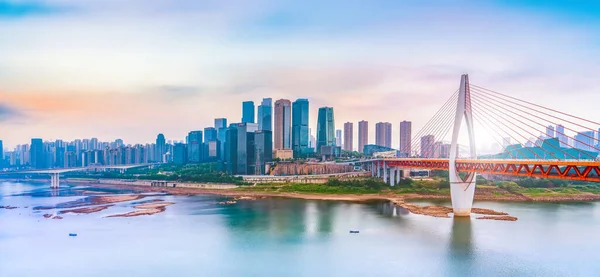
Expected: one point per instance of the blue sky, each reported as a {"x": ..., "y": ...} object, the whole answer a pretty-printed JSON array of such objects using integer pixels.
[{"x": 65, "y": 63}]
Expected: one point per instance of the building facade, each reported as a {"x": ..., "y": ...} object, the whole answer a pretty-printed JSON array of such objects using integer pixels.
[
  {"x": 405, "y": 139},
  {"x": 282, "y": 129},
  {"x": 325, "y": 128},
  {"x": 248, "y": 112},
  {"x": 265, "y": 115},
  {"x": 383, "y": 134},
  {"x": 348, "y": 136},
  {"x": 300, "y": 136},
  {"x": 363, "y": 135}
]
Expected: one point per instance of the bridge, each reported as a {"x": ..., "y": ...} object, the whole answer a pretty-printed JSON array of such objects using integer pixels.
[
  {"x": 533, "y": 139},
  {"x": 55, "y": 173}
]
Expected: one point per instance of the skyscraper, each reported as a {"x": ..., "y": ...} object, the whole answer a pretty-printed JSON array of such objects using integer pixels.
[
  {"x": 248, "y": 112},
  {"x": 283, "y": 116},
  {"x": 550, "y": 131},
  {"x": 194, "y": 147},
  {"x": 263, "y": 141},
  {"x": 246, "y": 155},
  {"x": 383, "y": 134},
  {"x": 210, "y": 134},
  {"x": 221, "y": 126},
  {"x": 325, "y": 128},
  {"x": 300, "y": 127},
  {"x": 220, "y": 123},
  {"x": 584, "y": 140},
  {"x": 405, "y": 139},
  {"x": 348, "y": 135},
  {"x": 363, "y": 135},
  {"x": 180, "y": 153},
  {"x": 161, "y": 148},
  {"x": 560, "y": 134},
  {"x": 264, "y": 117},
  {"x": 37, "y": 157},
  {"x": 427, "y": 146}
]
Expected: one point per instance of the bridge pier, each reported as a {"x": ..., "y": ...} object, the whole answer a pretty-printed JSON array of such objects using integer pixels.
[
  {"x": 372, "y": 165},
  {"x": 54, "y": 180},
  {"x": 378, "y": 169},
  {"x": 392, "y": 176},
  {"x": 385, "y": 172}
]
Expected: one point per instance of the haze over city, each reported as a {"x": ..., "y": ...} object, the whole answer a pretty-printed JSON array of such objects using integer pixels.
[{"x": 82, "y": 69}]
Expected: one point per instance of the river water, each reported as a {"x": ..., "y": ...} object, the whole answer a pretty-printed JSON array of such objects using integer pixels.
[{"x": 291, "y": 237}]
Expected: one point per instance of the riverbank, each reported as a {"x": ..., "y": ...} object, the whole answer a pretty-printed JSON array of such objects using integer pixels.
[{"x": 398, "y": 200}]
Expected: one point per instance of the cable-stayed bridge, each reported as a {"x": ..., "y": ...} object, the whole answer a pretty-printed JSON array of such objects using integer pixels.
[{"x": 535, "y": 141}]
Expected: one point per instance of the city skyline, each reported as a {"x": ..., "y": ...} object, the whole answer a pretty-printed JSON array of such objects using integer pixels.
[{"x": 156, "y": 83}]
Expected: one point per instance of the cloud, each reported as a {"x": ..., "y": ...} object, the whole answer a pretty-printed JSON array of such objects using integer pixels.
[{"x": 8, "y": 112}]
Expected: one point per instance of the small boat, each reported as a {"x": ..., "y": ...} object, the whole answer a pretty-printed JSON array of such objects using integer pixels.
[
  {"x": 72, "y": 235},
  {"x": 354, "y": 231}
]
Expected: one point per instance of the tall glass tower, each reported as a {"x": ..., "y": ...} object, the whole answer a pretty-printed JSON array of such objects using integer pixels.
[
  {"x": 283, "y": 116},
  {"x": 248, "y": 112},
  {"x": 325, "y": 128},
  {"x": 264, "y": 114},
  {"x": 300, "y": 127}
]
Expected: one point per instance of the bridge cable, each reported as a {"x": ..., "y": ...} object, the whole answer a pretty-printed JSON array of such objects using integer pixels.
[
  {"x": 556, "y": 131},
  {"x": 434, "y": 121},
  {"x": 484, "y": 111}
]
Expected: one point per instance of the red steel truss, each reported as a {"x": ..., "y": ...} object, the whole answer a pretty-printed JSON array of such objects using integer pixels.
[{"x": 557, "y": 169}]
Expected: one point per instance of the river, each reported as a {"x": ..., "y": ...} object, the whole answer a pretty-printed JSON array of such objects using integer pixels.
[{"x": 290, "y": 237}]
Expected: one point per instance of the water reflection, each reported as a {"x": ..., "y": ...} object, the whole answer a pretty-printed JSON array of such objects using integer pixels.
[{"x": 461, "y": 250}]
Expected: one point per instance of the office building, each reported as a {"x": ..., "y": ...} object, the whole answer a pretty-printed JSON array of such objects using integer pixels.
[
  {"x": 282, "y": 129},
  {"x": 584, "y": 140},
  {"x": 37, "y": 156},
  {"x": 560, "y": 134},
  {"x": 550, "y": 131},
  {"x": 180, "y": 153},
  {"x": 363, "y": 135},
  {"x": 246, "y": 148},
  {"x": 383, "y": 134},
  {"x": 348, "y": 136},
  {"x": 194, "y": 147},
  {"x": 325, "y": 129},
  {"x": 265, "y": 115},
  {"x": 405, "y": 146},
  {"x": 221, "y": 126},
  {"x": 248, "y": 112},
  {"x": 338, "y": 138},
  {"x": 161, "y": 148},
  {"x": 263, "y": 141},
  {"x": 300, "y": 135},
  {"x": 210, "y": 134},
  {"x": 427, "y": 146}
]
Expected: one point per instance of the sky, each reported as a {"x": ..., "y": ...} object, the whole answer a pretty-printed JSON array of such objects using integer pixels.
[{"x": 132, "y": 69}]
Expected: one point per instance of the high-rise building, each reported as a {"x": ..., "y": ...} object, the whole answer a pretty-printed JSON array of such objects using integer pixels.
[
  {"x": 221, "y": 126},
  {"x": 550, "y": 131},
  {"x": 230, "y": 150},
  {"x": 562, "y": 137},
  {"x": 300, "y": 134},
  {"x": 220, "y": 123},
  {"x": 348, "y": 136},
  {"x": 210, "y": 134},
  {"x": 180, "y": 153},
  {"x": 312, "y": 141},
  {"x": 325, "y": 129},
  {"x": 363, "y": 135},
  {"x": 161, "y": 148},
  {"x": 338, "y": 138},
  {"x": 248, "y": 112},
  {"x": 265, "y": 114},
  {"x": 427, "y": 146},
  {"x": 37, "y": 157},
  {"x": 405, "y": 139},
  {"x": 263, "y": 141},
  {"x": 246, "y": 154},
  {"x": 194, "y": 147},
  {"x": 282, "y": 130},
  {"x": 383, "y": 134},
  {"x": 584, "y": 140}
]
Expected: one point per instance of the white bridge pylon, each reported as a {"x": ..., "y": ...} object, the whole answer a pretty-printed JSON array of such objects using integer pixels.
[{"x": 462, "y": 190}]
